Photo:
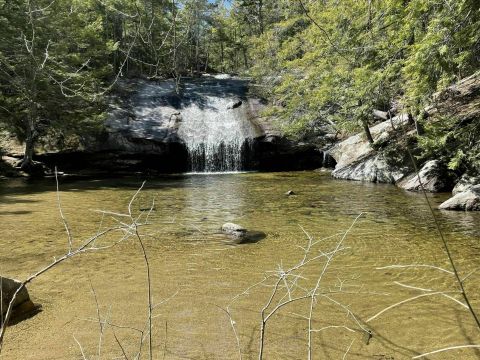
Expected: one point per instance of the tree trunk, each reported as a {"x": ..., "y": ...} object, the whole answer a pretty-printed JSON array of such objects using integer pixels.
[
  {"x": 245, "y": 58},
  {"x": 413, "y": 121},
  {"x": 222, "y": 56},
  {"x": 27, "y": 161},
  {"x": 367, "y": 131},
  {"x": 260, "y": 16}
]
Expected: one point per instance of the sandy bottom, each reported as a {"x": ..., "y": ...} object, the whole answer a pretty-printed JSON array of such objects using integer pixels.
[{"x": 197, "y": 272}]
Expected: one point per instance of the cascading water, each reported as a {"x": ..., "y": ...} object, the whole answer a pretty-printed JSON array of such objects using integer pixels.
[
  {"x": 216, "y": 134},
  {"x": 199, "y": 117}
]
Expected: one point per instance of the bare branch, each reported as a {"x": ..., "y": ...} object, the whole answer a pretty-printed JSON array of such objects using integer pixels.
[{"x": 447, "y": 349}]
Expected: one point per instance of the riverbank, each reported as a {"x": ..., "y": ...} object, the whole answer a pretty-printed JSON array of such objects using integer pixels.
[
  {"x": 441, "y": 157},
  {"x": 150, "y": 127}
]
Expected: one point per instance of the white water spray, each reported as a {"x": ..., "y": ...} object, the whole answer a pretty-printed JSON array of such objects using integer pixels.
[{"x": 215, "y": 134}]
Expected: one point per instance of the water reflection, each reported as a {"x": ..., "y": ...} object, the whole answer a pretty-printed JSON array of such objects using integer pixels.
[{"x": 214, "y": 199}]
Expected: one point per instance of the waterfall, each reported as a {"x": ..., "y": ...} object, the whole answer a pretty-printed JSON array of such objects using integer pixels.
[
  {"x": 209, "y": 116},
  {"x": 214, "y": 133}
]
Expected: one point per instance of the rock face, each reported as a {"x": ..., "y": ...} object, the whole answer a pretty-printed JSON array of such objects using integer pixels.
[
  {"x": 146, "y": 125},
  {"x": 235, "y": 230},
  {"x": 433, "y": 176},
  {"x": 373, "y": 169},
  {"x": 7, "y": 289},
  {"x": 467, "y": 200},
  {"x": 465, "y": 183},
  {"x": 272, "y": 152},
  {"x": 358, "y": 160}
]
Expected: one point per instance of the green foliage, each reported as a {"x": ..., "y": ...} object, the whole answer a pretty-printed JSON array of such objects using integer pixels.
[
  {"x": 325, "y": 65},
  {"x": 53, "y": 62},
  {"x": 454, "y": 141},
  {"x": 329, "y": 64}
]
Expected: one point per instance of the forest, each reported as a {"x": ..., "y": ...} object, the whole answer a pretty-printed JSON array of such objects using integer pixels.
[{"x": 318, "y": 63}]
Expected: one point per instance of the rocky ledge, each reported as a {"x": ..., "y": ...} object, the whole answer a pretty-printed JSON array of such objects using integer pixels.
[
  {"x": 465, "y": 200},
  {"x": 389, "y": 158},
  {"x": 358, "y": 160},
  {"x": 143, "y": 131}
]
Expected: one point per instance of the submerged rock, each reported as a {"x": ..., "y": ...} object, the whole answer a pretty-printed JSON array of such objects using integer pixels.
[
  {"x": 234, "y": 230},
  {"x": 22, "y": 302},
  {"x": 467, "y": 200},
  {"x": 433, "y": 176}
]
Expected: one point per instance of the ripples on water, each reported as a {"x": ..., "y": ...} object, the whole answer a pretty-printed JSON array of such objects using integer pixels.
[{"x": 189, "y": 255}]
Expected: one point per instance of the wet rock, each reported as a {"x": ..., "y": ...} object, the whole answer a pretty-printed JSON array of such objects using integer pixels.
[
  {"x": 147, "y": 125},
  {"x": 235, "y": 105},
  {"x": 357, "y": 159},
  {"x": 273, "y": 152},
  {"x": 250, "y": 237},
  {"x": 290, "y": 192},
  {"x": 433, "y": 176},
  {"x": 467, "y": 200},
  {"x": 234, "y": 230},
  {"x": 373, "y": 169},
  {"x": 465, "y": 183},
  {"x": 7, "y": 290}
]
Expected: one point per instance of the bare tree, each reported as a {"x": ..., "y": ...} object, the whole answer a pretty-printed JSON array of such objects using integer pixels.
[
  {"x": 126, "y": 230},
  {"x": 289, "y": 285}
]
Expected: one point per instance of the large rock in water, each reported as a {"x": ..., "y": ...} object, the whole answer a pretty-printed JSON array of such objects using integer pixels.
[
  {"x": 467, "y": 200},
  {"x": 234, "y": 230},
  {"x": 358, "y": 160},
  {"x": 433, "y": 176},
  {"x": 7, "y": 290},
  {"x": 373, "y": 169},
  {"x": 465, "y": 183}
]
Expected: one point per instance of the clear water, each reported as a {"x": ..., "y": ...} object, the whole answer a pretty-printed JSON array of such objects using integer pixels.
[{"x": 204, "y": 270}]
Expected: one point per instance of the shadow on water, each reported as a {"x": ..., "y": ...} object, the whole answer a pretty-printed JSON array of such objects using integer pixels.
[
  {"x": 254, "y": 236},
  {"x": 19, "y": 187},
  {"x": 18, "y": 315},
  {"x": 251, "y": 237}
]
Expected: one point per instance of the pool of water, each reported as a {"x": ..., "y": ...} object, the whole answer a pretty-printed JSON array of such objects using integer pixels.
[{"x": 197, "y": 271}]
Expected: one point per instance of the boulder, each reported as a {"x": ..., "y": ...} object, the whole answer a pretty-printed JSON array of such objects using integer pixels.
[
  {"x": 7, "y": 290},
  {"x": 357, "y": 159},
  {"x": 234, "y": 104},
  {"x": 465, "y": 183},
  {"x": 356, "y": 147},
  {"x": 433, "y": 176},
  {"x": 467, "y": 200},
  {"x": 374, "y": 168},
  {"x": 234, "y": 230}
]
